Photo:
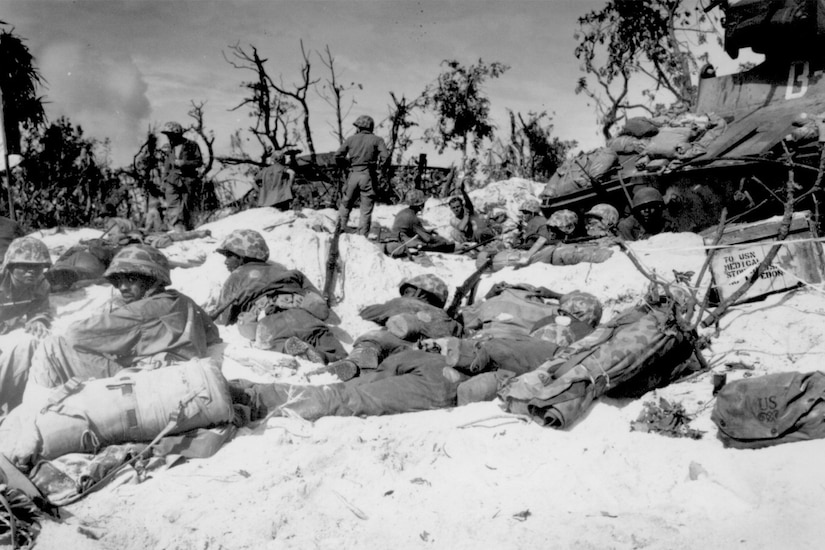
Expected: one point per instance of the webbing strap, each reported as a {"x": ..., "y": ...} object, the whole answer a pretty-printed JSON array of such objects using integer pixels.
[
  {"x": 61, "y": 393},
  {"x": 174, "y": 419},
  {"x": 126, "y": 387}
]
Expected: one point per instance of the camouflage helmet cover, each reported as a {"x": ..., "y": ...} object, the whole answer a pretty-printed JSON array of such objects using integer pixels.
[
  {"x": 365, "y": 122},
  {"x": 582, "y": 306},
  {"x": 606, "y": 213},
  {"x": 416, "y": 197},
  {"x": 245, "y": 243},
  {"x": 531, "y": 205},
  {"x": 27, "y": 250},
  {"x": 428, "y": 283},
  {"x": 172, "y": 128},
  {"x": 456, "y": 198},
  {"x": 140, "y": 259},
  {"x": 564, "y": 220},
  {"x": 646, "y": 195}
]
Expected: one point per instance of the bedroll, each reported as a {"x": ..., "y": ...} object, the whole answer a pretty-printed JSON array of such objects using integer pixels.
[
  {"x": 83, "y": 417},
  {"x": 640, "y": 348},
  {"x": 513, "y": 312}
]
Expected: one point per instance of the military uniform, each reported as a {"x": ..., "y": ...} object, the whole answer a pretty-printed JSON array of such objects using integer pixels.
[
  {"x": 365, "y": 153},
  {"x": 258, "y": 278},
  {"x": 275, "y": 185},
  {"x": 634, "y": 228},
  {"x": 370, "y": 349},
  {"x": 161, "y": 327},
  {"x": 408, "y": 230},
  {"x": 9, "y": 230},
  {"x": 531, "y": 231},
  {"x": 180, "y": 173},
  {"x": 408, "y": 381},
  {"x": 21, "y": 305},
  {"x": 471, "y": 228}
]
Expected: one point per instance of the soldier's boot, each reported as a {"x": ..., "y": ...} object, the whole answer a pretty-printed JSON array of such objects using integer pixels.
[
  {"x": 344, "y": 369},
  {"x": 298, "y": 348}
]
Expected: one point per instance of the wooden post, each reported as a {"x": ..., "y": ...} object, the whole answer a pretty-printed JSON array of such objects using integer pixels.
[
  {"x": 420, "y": 168},
  {"x": 6, "y": 158}
]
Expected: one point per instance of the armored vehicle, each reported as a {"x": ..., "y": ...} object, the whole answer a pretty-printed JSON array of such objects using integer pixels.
[{"x": 748, "y": 134}]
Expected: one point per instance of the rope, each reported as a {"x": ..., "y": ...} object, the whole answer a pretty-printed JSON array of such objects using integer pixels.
[{"x": 734, "y": 245}]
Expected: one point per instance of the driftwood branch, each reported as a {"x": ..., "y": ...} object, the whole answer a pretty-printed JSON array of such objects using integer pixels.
[{"x": 717, "y": 237}]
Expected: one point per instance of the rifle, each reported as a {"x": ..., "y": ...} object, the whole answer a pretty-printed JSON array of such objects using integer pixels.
[
  {"x": 467, "y": 286},
  {"x": 478, "y": 245},
  {"x": 332, "y": 263}
]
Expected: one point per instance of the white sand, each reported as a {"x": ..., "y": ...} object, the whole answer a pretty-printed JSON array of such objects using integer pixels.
[{"x": 449, "y": 479}]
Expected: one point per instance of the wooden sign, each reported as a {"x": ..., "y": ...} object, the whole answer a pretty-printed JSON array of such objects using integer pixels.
[{"x": 798, "y": 261}]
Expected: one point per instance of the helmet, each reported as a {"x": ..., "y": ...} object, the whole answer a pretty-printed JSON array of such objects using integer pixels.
[
  {"x": 140, "y": 259},
  {"x": 416, "y": 197},
  {"x": 245, "y": 243},
  {"x": 27, "y": 250},
  {"x": 606, "y": 213},
  {"x": 582, "y": 306},
  {"x": 172, "y": 128},
  {"x": 646, "y": 195},
  {"x": 531, "y": 205},
  {"x": 456, "y": 198},
  {"x": 563, "y": 220},
  {"x": 364, "y": 122},
  {"x": 428, "y": 283}
]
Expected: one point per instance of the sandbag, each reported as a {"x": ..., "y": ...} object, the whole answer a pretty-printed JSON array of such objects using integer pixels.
[
  {"x": 572, "y": 254},
  {"x": 134, "y": 405},
  {"x": 627, "y": 145},
  {"x": 668, "y": 142},
  {"x": 769, "y": 410},
  {"x": 640, "y": 348},
  {"x": 639, "y": 127},
  {"x": 579, "y": 172},
  {"x": 502, "y": 259}
]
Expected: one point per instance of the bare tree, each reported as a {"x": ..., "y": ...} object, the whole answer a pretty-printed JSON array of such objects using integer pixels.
[
  {"x": 208, "y": 137},
  {"x": 400, "y": 123},
  {"x": 299, "y": 94},
  {"x": 332, "y": 91},
  {"x": 272, "y": 114},
  {"x": 651, "y": 42}
]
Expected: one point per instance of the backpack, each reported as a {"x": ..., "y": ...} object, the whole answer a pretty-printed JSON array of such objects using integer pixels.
[
  {"x": 770, "y": 410},
  {"x": 638, "y": 350}
]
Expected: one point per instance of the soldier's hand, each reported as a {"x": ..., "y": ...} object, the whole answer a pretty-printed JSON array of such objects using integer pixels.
[{"x": 38, "y": 329}]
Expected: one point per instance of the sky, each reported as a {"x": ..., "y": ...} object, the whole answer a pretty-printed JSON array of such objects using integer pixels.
[{"x": 119, "y": 67}]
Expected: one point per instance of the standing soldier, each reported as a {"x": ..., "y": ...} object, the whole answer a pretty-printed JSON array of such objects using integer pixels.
[
  {"x": 363, "y": 152},
  {"x": 181, "y": 161}
]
